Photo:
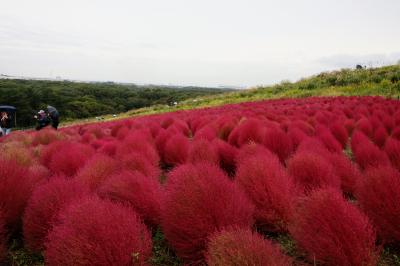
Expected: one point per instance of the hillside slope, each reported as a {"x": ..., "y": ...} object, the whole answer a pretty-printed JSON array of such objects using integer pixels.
[{"x": 382, "y": 81}]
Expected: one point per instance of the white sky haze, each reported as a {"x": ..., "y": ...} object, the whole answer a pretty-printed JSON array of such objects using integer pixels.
[{"x": 185, "y": 42}]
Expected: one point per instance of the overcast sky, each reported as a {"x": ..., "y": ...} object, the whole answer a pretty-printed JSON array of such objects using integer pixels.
[{"x": 187, "y": 42}]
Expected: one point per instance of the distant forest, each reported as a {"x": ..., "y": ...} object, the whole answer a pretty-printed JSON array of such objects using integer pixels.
[{"x": 81, "y": 100}]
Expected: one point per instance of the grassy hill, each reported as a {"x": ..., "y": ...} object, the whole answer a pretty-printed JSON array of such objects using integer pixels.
[{"x": 383, "y": 81}]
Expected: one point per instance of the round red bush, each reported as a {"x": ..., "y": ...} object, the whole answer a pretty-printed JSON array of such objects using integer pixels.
[
  {"x": 69, "y": 158},
  {"x": 96, "y": 170},
  {"x": 249, "y": 130},
  {"x": 277, "y": 141},
  {"x": 98, "y": 232},
  {"x": 237, "y": 246},
  {"x": 365, "y": 126},
  {"x": 44, "y": 206},
  {"x": 332, "y": 231},
  {"x": 330, "y": 142},
  {"x": 176, "y": 149},
  {"x": 139, "y": 142},
  {"x": 348, "y": 173},
  {"x": 368, "y": 155},
  {"x": 340, "y": 133},
  {"x": 45, "y": 137},
  {"x": 380, "y": 136},
  {"x": 203, "y": 151},
  {"x": 227, "y": 155},
  {"x": 136, "y": 162},
  {"x": 392, "y": 149},
  {"x": 15, "y": 190},
  {"x": 207, "y": 132},
  {"x": 199, "y": 200},
  {"x": 379, "y": 197},
  {"x": 311, "y": 171},
  {"x": 141, "y": 193},
  {"x": 267, "y": 184}
]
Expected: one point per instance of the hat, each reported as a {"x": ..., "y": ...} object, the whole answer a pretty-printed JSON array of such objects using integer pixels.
[{"x": 41, "y": 112}]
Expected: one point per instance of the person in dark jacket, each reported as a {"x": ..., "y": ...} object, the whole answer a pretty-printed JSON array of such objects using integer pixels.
[
  {"x": 42, "y": 119},
  {"x": 53, "y": 116},
  {"x": 5, "y": 123}
]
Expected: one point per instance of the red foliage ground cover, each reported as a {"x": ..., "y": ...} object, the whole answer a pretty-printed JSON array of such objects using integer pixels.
[
  {"x": 98, "y": 232},
  {"x": 222, "y": 166},
  {"x": 237, "y": 246},
  {"x": 332, "y": 231},
  {"x": 199, "y": 200}
]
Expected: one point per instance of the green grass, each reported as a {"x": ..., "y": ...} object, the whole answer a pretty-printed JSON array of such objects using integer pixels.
[
  {"x": 162, "y": 254},
  {"x": 19, "y": 256}
]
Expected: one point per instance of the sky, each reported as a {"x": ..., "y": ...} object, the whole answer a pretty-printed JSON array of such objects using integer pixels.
[{"x": 239, "y": 43}]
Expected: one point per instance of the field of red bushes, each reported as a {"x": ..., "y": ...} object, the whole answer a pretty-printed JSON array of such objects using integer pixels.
[{"x": 223, "y": 185}]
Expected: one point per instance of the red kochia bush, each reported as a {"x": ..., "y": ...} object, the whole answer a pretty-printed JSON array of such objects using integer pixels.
[
  {"x": 136, "y": 162},
  {"x": 340, "y": 133},
  {"x": 227, "y": 155},
  {"x": 237, "y": 246},
  {"x": 15, "y": 190},
  {"x": 97, "y": 232},
  {"x": 203, "y": 151},
  {"x": 379, "y": 196},
  {"x": 141, "y": 193},
  {"x": 69, "y": 158},
  {"x": 358, "y": 139},
  {"x": 333, "y": 231},
  {"x": 38, "y": 174},
  {"x": 348, "y": 172},
  {"x": 139, "y": 142},
  {"x": 207, "y": 132},
  {"x": 96, "y": 170},
  {"x": 43, "y": 208},
  {"x": 330, "y": 142},
  {"x": 266, "y": 183},
  {"x": 109, "y": 148},
  {"x": 369, "y": 155},
  {"x": 365, "y": 126},
  {"x": 380, "y": 136},
  {"x": 277, "y": 141},
  {"x": 47, "y": 152},
  {"x": 249, "y": 130},
  {"x": 199, "y": 200},
  {"x": 45, "y": 137},
  {"x": 3, "y": 239},
  {"x": 310, "y": 171},
  {"x": 314, "y": 145},
  {"x": 176, "y": 149},
  {"x": 392, "y": 149},
  {"x": 296, "y": 136}
]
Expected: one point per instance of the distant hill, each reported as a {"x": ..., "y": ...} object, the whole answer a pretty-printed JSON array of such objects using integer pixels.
[{"x": 77, "y": 100}]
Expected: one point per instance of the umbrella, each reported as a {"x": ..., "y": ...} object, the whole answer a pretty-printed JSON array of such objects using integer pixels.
[
  {"x": 52, "y": 111},
  {"x": 11, "y": 110},
  {"x": 8, "y": 108}
]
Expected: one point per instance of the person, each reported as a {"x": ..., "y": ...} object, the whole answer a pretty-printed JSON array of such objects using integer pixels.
[
  {"x": 42, "y": 119},
  {"x": 5, "y": 123},
  {"x": 54, "y": 118}
]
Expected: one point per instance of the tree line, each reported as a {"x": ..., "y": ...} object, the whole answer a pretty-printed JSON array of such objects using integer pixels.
[{"x": 81, "y": 100}]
